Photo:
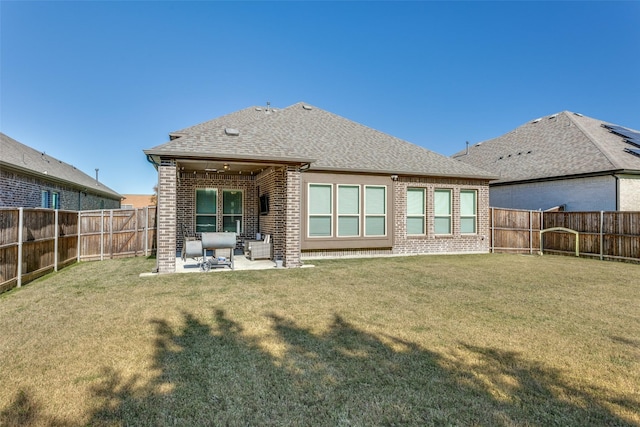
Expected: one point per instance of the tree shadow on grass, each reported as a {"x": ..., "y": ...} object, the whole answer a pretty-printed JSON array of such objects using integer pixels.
[
  {"x": 215, "y": 375},
  {"x": 25, "y": 410}
]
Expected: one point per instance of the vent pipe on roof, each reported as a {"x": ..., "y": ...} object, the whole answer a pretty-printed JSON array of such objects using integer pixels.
[
  {"x": 467, "y": 152},
  {"x": 97, "y": 174}
]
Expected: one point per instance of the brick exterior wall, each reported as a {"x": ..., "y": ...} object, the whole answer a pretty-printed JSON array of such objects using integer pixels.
[
  {"x": 166, "y": 252},
  {"x": 293, "y": 215},
  {"x": 283, "y": 185},
  {"x": 21, "y": 190},
  {"x": 186, "y": 201},
  {"x": 431, "y": 243}
]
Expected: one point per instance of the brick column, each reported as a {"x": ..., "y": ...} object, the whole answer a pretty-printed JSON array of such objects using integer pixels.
[
  {"x": 166, "y": 251},
  {"x": 293, "y": 226}
]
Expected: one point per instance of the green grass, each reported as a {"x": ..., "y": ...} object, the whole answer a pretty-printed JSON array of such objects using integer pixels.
[{"x": 434, "y": 340}]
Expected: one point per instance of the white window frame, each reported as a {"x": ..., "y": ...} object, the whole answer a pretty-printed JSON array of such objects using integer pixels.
[
  {"x": 448, "y": 216},
  {"x": 241, "y": 215},
  {"x": 349, "y": 215},
  {"x": 320, "y": 215},
  {"x": 422, "y": 216},
  {"x": 473, "y": 216},
  {"x": 375, "y": 215}
]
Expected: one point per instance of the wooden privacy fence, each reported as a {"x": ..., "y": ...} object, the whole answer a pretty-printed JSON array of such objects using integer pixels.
[
  {"x": 34, "y": 242},
  {"x": 604, "y": 235}
]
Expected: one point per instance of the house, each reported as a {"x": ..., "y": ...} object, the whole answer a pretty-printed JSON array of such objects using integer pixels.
[
  {"x": 566, "y": 160},
  {"x": 318, "y": 184},
  {"x": 134, "y": 201},
  {"x": 30, "y": 178}
]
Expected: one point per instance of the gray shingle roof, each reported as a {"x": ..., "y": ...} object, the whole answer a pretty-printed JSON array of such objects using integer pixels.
[
  {"x": 21, "y": 157},
  {"x": 304, "y": 133},
  {"x": 559, "y": 145}
]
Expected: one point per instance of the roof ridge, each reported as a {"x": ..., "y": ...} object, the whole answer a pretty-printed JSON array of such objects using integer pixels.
[{"x": 590, "y": 137}]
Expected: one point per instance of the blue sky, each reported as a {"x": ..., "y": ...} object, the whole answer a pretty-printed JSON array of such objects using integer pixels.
[{"x": 95, "y": 83}]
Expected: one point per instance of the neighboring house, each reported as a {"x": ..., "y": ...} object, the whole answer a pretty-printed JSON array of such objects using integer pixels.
[
  {"x": 133, "y": 201},
  {"x": 319, "y": 184},
  {"x": 31, "y": 179},
  {"x": 565, "y": 160}
]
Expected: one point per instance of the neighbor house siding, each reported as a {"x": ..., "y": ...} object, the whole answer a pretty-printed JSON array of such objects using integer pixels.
[
  {"x": 23, "y": 190},
  {"x": 629, "y": 186},
  {"x": 596, "y": 193},
  {"x": 456, "y": 242}
]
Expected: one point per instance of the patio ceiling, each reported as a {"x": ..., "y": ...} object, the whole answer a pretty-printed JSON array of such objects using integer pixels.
[{"x": 226, "y": 167}]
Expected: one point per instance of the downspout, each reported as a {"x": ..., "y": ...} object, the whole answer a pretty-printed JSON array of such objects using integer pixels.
[{"x": 617, "y": 191}]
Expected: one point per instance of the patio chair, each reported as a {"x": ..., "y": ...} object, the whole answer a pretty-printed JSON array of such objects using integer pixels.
[{"x": 259, "y": 249}]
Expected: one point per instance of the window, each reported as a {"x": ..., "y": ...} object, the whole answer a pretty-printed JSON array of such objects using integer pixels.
[
  {"x": 415, "y": 211},
  {"x": 320, "y": 210},
  {"x": 468, "y": 211},
  {"x": 232, "y": 210},
  {"x": 348, "y": 210},
  {"x": 44, "y": 199},
  {"x": 442, "y": 209},
  {"x": 375, "y": 210},
  {"x": 55, "y": 200},
  {"x": 206, "y": 209}
]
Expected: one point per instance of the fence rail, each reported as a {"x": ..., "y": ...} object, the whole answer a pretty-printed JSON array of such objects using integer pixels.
[
  {"x": 34, "y": 242},
  {"x": 604, "y": 235}
]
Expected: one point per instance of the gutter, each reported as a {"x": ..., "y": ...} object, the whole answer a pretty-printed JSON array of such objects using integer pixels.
[
  {"x": 220, "y": 156},
  {"x": 560, "y": 177}
]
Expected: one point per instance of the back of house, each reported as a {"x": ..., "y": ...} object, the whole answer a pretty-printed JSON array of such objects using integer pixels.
[{"x": 318, "y": 184}]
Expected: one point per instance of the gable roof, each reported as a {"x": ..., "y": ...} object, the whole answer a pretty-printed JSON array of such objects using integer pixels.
[
  {"x": 559, "y": 145},
  {"x": 25, "y": 159},
  {"x": 306, "y": 134}
]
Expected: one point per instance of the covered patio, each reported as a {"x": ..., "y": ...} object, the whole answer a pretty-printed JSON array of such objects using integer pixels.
[{"x": 241, "y": 262}]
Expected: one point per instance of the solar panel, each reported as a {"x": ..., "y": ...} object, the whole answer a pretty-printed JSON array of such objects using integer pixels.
[
  {"x": 627, "y": 133},
  {"x": 631, "y": 137},
  {"x": 635, "y": 151}
]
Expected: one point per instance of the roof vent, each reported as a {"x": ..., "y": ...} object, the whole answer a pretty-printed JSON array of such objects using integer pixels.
[
  {"x": 258, "y": 108},
  {"x": 232, "y": 132},
  {"x": 536, "y": 120},
  {"x": 553, "y": 116},
  {"x": 578, "y": 114},
  {"x": 307, "y": 107}
]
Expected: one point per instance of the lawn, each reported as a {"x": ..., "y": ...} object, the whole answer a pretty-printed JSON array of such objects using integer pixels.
[{"x": 501, "y": 340}]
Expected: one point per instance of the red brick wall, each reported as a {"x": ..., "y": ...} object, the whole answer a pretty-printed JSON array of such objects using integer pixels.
[{"x": 431, "y": 243}]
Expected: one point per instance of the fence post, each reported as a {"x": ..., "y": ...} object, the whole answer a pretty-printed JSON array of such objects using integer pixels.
[
  {"x": 601, "y": 235},
  {"x": 56, "y": 219},
  {"x": 102, "y": 235},
  {"x": 530, "y": 232},
  {"x": 20, "y": 225},
  {"x": 111, "y": 234},
  {"x": 493, "y": 231},
  {"x": 79, "y": 231},
  {"x": 146, "y": 230}
]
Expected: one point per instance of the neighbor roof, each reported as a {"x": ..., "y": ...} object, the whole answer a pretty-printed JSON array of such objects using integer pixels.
[
  {"x": 20, "y": 157},
  {"x": 307, "y": 134},
  {"x": 559, "y": 145}
]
